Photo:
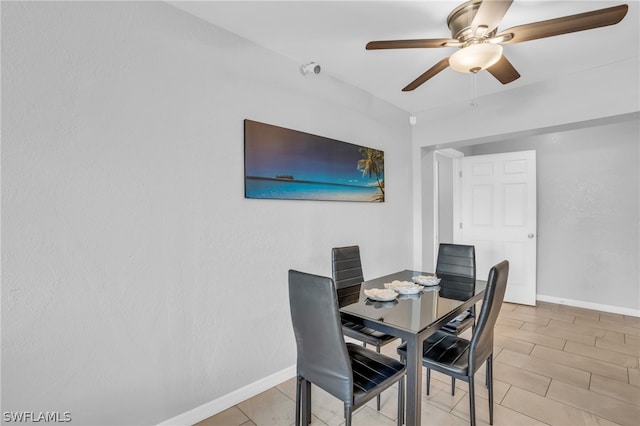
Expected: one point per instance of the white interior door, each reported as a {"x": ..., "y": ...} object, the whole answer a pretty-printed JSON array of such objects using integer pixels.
[{"x": 498, "y": 205}]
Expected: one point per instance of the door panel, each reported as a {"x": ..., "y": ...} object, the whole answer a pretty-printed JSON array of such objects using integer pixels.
[
  {"x": 482, "y": 205},
  {"x": 499, "y": 217}
]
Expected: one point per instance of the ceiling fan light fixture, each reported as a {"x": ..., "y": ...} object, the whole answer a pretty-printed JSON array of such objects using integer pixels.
[{"x": 475, "y": 57}]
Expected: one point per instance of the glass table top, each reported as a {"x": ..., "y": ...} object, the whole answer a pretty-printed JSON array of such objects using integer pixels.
[{"x": 412, "y": 313}]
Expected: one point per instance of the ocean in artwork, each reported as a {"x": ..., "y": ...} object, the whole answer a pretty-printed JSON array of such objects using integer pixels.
[
  {"x": 284, "y": 189},
  {"x": 282, "y": 163}
]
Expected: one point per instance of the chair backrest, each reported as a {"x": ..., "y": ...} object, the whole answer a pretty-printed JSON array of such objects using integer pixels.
[
  {"x": 346, "y": 267},
  {"x": 456, "y": 268},
  {"x": 323, "y": 358},
  {"x": 482, "y": 340}
]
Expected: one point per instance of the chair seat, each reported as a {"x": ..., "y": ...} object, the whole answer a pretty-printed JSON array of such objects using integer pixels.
[
  {"x": 364, "y": 334},
  {"x": 457, "y": 327},
  {"x": 372, "y": 372},
  {"x": 449, "y": 353}
]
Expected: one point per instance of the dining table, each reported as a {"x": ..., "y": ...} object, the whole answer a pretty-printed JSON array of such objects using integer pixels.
[{"x": 412, "y": 318}]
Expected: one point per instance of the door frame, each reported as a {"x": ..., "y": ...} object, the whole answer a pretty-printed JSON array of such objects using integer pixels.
[{"x": 456, "y": 157}]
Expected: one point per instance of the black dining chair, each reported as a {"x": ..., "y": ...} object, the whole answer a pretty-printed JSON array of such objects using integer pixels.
[
  {"x": 456, "y": 268},
  {"x": 461, "y": 358},
  {"x": 346, "y": 266},
  {"x": 350, "y": 372}
]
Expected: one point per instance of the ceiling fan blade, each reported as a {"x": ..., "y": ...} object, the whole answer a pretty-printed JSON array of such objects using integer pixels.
[
  {"x": 411, "y": 44},
  {"x": 565, "y": 25},
  {"x": 444, "y": 63},
  {"x": 503, "y": 71},
  {"x": 490, "y": 14}
]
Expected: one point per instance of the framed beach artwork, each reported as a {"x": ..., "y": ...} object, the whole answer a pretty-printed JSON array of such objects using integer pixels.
[{"x": 286, "y": 164}]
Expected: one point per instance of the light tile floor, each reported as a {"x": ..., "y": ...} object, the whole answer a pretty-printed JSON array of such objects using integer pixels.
[{"x": 554, "y": 365}]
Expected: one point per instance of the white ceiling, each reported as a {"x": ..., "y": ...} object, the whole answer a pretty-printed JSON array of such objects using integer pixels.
[{"x": 334, "y": 34}]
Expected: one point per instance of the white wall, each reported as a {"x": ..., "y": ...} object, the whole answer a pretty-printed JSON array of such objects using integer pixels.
[
  {"x": 588, "y": 184},
  {"x": 137, "y": 282}
]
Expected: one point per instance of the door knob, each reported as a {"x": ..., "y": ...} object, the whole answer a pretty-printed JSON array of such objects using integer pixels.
[{"x": 530, "y": 235}]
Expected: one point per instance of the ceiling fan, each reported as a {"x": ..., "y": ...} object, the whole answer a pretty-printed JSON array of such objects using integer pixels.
[{"x": 474, "y": 29}]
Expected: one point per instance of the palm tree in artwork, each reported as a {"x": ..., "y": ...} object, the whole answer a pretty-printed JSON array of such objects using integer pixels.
[{"x": 372, "y": 164}]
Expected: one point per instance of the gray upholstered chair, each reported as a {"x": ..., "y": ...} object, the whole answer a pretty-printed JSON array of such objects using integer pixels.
[
  {"x": 346, "y": 266},
  {"x": 461, "y": 358},
  {"x": 349, "y": 372}
]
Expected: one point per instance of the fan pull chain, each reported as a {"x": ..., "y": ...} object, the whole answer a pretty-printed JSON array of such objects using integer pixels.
[{"x": 474, "y": 89}]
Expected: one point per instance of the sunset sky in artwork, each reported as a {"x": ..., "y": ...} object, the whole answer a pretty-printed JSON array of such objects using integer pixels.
[{"x": 271, "y": 151}]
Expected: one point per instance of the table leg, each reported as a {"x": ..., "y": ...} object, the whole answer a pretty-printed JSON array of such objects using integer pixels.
[{"x": 414, "y": 381}]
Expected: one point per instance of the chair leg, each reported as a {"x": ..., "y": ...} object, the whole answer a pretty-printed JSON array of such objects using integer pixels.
[
  {"x": 401, "y": 401},
  {"x": 378, "y": 397},
  {"x": 307, "y": 403},
  {"x": 348, "y": 411},
  {"x": 404, "y": 361},
  {"x": 486, "y": 376},
  {"x": 298, "y": 400},
  {"x": 453, "y": 386},
  {"x": 490, "y": 380},
  {"x": 428, "y": 380},
  {"x": 472, "y": 401}
]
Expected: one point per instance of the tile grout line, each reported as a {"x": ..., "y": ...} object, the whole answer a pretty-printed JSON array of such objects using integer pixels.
[
  {"x": 246, "y": 415},
  {"x": 505, "y": 395},
  {"x": 588, "y": 410}
]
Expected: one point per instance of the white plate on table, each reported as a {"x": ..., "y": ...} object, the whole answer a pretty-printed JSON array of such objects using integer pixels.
[
  {"x": 380, "y": 294},
  {"x": 404, "y": 287},
  {"x": 427, "y": 280},
  {"x": 378, "y": 305}
]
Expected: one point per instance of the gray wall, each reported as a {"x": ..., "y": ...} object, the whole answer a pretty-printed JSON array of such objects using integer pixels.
[
  {"x": 445, "y": 198},
  {"x": 138, "y": 283},
  {"x": 588, "y": 187}
]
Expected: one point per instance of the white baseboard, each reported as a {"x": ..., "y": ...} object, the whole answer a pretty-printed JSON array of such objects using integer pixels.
[
  {"x": 589, "y": 305},
  {"x": 229, "y": 400}
]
